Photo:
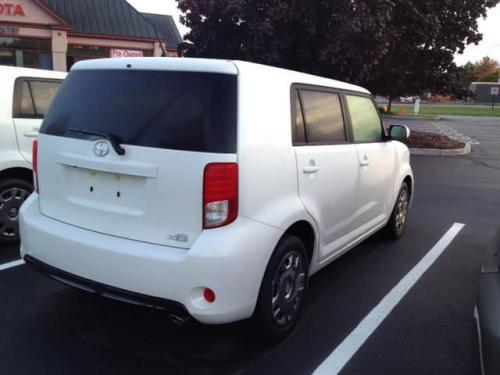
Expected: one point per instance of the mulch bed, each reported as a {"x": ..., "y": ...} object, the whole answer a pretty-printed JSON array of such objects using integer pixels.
[{"x": 431, "y": 140}]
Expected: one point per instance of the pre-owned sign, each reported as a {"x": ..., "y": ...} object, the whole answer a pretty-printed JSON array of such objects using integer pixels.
[
  {"x": 494, "y": 91},
  {"x": 116, "y": 52},
  {"x": 10, "y": 9}
]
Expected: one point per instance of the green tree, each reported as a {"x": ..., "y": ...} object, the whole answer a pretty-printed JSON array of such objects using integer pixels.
[
  {"x": 394, "y": 47},
  {"x": 466, "y": 75},
  {"x": 311, "y": 36},
  {"x": 487, "y": 70}
]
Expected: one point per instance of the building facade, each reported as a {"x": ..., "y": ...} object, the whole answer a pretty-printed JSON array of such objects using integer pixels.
[
  {"x": 486, "y": 92},
  {"x": 55, "y": 34}
]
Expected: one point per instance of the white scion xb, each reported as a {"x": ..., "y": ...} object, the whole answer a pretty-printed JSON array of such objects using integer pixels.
[{"x": 210, "y": 188}]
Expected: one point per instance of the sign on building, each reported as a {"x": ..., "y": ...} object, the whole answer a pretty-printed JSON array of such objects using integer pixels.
[
  {"x": 12, "y": 10},
  {"x": 494, "y": 91},
  {"x": 117, "y": 52},
  {"x": 9, "y": 30}
]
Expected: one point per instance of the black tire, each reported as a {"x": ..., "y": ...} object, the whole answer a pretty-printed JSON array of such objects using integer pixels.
[
  {"x": 397, "y": 223},
  {"x": 13, "y": 192},
  {"x": 282, "y": 288}
]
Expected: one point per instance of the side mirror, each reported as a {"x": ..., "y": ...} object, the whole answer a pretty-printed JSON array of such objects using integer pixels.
[{"x": 399, "y": 132}]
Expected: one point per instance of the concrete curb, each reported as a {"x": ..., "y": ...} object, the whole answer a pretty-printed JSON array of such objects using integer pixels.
[
  {"x": 411, "y": 117},
  {"x": 437, "y": 152}
]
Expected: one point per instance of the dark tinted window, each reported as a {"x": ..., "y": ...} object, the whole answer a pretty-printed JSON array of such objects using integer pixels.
[
  {"x": 174, "y": 110},
  {"x": 365, "y": 120},
  {"x": 323, "y": 116},
  {"x": 298, "y": 130},
  {"x": 26, "y": 106},
  {"x": 32, "y": 97},
  {"x": 43, "y": 95}
]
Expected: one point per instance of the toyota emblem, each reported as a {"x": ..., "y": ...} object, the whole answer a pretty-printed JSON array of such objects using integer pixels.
[{"x": 101, "y": 148}]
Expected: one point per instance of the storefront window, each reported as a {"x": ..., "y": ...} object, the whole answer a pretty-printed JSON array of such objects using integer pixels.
[{"x": 28, "y": 53}]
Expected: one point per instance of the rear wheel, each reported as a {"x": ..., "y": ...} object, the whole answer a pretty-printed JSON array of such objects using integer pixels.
[
  {"x": 396, "y": 225},
  {"x": 13, "y": 192},
  {"x": 282, "y": 292}
]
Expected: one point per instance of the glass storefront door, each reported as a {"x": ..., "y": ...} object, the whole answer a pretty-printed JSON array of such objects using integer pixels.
[
  {"x": 28, "y": 53},
  {"x": 79, "y": 53}
]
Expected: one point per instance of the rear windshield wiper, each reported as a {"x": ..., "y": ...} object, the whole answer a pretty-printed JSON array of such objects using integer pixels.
[{"x": 113, "y": 139}]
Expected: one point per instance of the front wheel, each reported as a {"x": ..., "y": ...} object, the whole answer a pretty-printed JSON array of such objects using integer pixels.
[
  {"x": 396, "y": 225},
  {"x": 13, "y": 192},
  {"x": 282, "y": 291}
]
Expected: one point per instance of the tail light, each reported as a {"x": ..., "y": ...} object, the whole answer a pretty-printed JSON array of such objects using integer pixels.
[
  {"x": 35, "y": 164},
  {"x": 220, "y": 194}
]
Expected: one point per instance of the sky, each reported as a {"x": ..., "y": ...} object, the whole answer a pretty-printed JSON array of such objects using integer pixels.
[
  {"x": 160, "y": 7},
  {"x": 489, "y": 27}
]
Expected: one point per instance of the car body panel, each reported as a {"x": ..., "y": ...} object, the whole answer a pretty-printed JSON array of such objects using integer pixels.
[
  {"x": 377, "y": 166},
  {"x": 151, "y": 195},
  {"x": 329, "y": 194},
  {"x": 15, "y": 146},
  {"x": 488, "y": 312},
  {"x": 238, "y": 252}
]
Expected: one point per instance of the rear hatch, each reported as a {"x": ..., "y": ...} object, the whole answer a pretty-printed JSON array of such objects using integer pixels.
[{"x": 171, "y": 124}]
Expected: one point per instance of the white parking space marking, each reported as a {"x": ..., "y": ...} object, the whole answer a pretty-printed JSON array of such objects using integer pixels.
[
  {"x": 351, "y": 344},
  {"x": 15, "y": 263},
  {"x": 454, "y": 134}
]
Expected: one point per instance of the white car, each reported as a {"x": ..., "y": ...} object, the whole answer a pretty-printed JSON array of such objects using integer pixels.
[
  {"x": 407, "y": 99},
  {"x": 210, "y": 188},
  {"x": 25, "y": 95}
]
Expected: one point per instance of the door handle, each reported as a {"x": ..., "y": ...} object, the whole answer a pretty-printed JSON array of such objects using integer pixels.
[
  {"x": 33, "y": 133},
  {"x": 364, "y": 162},
  {"x": 311, "y": 168}
]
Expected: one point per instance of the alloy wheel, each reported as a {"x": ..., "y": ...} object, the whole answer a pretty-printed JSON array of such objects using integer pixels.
[
  {"x": 401, "y": 210},
  {"x": 11, "y": 200},
  {"x": 288, "y": 288}
]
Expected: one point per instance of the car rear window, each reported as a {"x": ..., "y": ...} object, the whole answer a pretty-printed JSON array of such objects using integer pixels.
[{"x": 163, "y": 109}]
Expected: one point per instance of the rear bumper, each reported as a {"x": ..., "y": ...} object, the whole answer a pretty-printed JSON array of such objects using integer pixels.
[
  {"x": 177, "y": 311},
  {"x": 229, "y": 260}
]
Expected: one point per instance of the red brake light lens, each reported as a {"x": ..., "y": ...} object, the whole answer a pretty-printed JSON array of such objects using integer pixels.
[
  {"x": 220, "y": 194},
  {"x": 35, "y": 163}
]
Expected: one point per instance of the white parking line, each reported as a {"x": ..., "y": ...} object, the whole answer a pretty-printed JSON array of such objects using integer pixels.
[
  {"x": 11, "y": 264},
  {"x": 351, "y": 344}
]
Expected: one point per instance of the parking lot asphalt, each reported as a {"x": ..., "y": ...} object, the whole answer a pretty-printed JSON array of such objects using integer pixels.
[{"x": 51, "y": 328}]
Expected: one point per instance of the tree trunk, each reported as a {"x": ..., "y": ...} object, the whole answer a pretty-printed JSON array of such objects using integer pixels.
[{"x": 389, "y": 105}]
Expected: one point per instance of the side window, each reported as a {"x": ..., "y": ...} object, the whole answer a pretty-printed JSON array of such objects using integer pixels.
[
  {"x": 323, "y": 116},
  {"x": 32, "y": 98},
  {"x": 43, "y": 94},
  {"x": 298, "y": 129},
  {"x": 366, "y": 125},
  {"x": 26, "y": 106}
]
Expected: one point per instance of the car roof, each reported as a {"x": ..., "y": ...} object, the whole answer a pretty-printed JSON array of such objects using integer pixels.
[
  {"x": 210, "y": 66},
  {"x": 14, "y": 71}
]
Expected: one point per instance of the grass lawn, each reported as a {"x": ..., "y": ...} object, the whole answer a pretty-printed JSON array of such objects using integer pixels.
[{"x": 462, "y": 110}]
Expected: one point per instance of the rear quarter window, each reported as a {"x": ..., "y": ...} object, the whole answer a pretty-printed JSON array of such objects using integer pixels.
[
  {"x": 323, "y": 118},
  {"x": 189, "y": 111},
  {"x": 33, "y": 97}
]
